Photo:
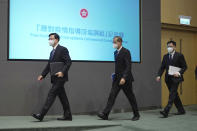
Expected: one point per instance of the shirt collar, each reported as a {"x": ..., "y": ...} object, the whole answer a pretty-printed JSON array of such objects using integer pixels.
[
  {"x": 56, "y": 46},
  {"x": 119, "y": 49},
  {"x": 173, "y": 53}
]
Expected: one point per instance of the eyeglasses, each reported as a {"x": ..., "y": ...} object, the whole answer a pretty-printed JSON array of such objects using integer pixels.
[{"x": 51, "y": 39}]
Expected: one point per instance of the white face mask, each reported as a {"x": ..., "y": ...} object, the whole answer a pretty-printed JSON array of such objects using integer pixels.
[
  {"x": 51, "y": 42},
  {"x": 115, "y": 46},
  {"x": 170, "y": 49}
]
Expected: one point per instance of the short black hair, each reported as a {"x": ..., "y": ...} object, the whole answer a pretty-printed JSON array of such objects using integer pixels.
[
  {"x": 55, "y": 35},
  {"x": 173, "y": 42},
  {"x": 119, "y": 39}
]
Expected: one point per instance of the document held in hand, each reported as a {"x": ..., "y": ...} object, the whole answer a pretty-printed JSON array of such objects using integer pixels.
[
  {"x": 56, "y": 67},
  {"x": 172, "y": 70}
]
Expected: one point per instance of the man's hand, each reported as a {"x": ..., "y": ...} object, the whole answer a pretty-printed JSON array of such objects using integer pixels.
[
  {"x": 59, "y": 74},
  {"x": 177, "y": 74},
  {"x": 113, "y": 76},
  {"x": 122, "y": 81},
  {"x": 158, "y": 78},
  {"x": 40, "y": 78}
]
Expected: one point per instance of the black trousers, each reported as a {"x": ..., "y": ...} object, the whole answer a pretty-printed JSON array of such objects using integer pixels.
[
  {"x": 173, "y": 96},
  {"x": 127, "y": 89},
  {"x": 57, "y": 90}
]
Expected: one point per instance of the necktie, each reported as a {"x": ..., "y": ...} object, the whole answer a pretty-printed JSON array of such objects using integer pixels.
[
  {"x": 52, "y": 54},
  {"x": 115, "y": 54},
  {"x": 170, "y": 58}
]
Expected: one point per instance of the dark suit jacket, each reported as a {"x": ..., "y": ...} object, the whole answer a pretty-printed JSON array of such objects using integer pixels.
[
  {"x": 123, "y": 65},
  {"x": 61, "y": 55},
  {"x": 178, "y": 61}
]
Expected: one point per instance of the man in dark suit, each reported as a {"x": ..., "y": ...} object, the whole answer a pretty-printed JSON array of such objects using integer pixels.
[
  {"x": 175, "y": 59},
  {"x": 122, "y": 79},
  {"x": 58, "y": 54}
]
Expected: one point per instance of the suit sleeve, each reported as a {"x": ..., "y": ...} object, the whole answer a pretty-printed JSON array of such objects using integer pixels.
[
  {"x": 67, "y": 60},
  {"x": 46, "y": 70},
  {"x": 182, "y": 64},
  {"x": 127, "y": 60},
  {"x": 162, "y": 67}
]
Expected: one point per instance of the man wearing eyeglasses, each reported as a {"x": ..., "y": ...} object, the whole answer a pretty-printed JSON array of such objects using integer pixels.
[{"x": 58, "y": 54}]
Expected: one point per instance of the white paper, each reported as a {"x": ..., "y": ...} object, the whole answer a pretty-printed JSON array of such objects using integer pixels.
[{"x": 173, "y": 70}]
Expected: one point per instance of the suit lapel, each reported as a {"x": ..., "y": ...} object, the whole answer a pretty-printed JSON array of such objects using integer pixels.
[
  {"x": 174, "y": 57},
  {"x": 120, "y": 52}
]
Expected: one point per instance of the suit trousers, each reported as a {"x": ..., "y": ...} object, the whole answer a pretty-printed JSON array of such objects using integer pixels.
[
  {"x": 173, "y": 96},
  {"x": 127, "y": 89},
  {"x": 57, "y": 90}
]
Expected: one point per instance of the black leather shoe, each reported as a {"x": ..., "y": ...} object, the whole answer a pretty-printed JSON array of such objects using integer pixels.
[
  {"x": 165, "y": 115},
  {"x": 38, "y": 117},
  {"x": 135, "y": 118},
  {"x": 180, "y": 113},
  {"x": 65, "y": 118},
  {"x": 102, "y": 116}
]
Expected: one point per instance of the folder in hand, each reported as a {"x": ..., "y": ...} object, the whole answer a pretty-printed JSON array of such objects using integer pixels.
[
  {"x": 172, "y": 70},
  {"x": 56, "y": 67}
]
